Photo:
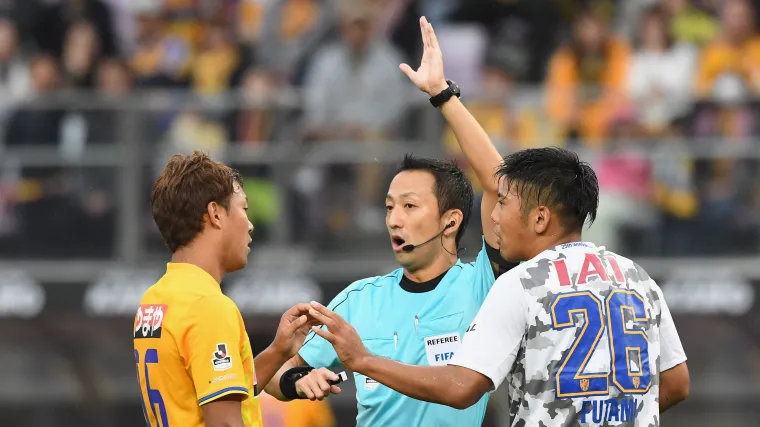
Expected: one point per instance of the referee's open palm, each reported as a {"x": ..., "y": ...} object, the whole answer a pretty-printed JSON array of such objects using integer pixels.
[
  {"x": 429, "y": 76},
  {"x": 343, "y": 337}
]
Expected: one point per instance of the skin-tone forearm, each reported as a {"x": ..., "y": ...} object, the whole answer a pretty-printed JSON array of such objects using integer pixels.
[
  {"x": 474, "y": 142},
  {"x": 447, "y": 385},
  {"x": 267, "y": 363},
  {"x": 674, "y": 386}
]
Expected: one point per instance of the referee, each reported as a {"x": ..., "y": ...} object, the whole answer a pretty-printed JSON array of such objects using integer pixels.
[{"x": 416, "y": 314}]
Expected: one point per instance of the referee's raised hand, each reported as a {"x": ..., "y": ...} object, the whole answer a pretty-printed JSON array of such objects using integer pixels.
[
  {"x": 429, "y": 76},
  {"x": 343, "y": 337}
]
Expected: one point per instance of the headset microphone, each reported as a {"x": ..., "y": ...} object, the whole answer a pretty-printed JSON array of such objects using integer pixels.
[{"x": 409, "y": 248}]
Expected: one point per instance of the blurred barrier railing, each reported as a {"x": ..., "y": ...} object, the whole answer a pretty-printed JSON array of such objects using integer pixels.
[{"x": 135, "y": 152}]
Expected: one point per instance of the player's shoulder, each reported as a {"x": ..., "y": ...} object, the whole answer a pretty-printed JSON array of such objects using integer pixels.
[
  {"x": 368, "y": 289},
  {"x": 633, "y": 271},
  {"x": 374, "y": 283}
]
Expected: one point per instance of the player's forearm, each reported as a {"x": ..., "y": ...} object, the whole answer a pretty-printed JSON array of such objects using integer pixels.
[
  {"x": 273, "y": 387},
  {"x": 674, "y": 386},
  {"x": 476, "y": 146},
  {"x": 437, "y": 384},
  {"x": 267, "y": 363}
]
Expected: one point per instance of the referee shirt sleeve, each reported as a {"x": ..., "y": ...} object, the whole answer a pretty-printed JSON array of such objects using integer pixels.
[
  {"x": 316, "y": 351},
  {"x": 491, "y": 342},
  {"x": 212, "y": 349}
]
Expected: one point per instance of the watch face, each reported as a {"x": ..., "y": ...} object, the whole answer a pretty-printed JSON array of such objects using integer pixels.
[{"x": 454, "y": 88}]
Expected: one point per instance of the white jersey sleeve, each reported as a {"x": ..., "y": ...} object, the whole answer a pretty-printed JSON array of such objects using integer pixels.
[
  {"x": 491, "y": 342},
  {"x": 671, "y": 349}
]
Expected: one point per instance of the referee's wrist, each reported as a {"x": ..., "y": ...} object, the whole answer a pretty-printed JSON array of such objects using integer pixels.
[{"x": 363, "y": 363}]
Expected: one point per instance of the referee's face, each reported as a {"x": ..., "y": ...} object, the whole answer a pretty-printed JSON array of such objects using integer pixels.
[{"x": 411, "y": 215}]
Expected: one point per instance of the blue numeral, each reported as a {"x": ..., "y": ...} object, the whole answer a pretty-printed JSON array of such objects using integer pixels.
[
  {"x": 154, "y": 396},
  {"x": 629, "y": 348},
  {"x": 569, "y": 379}
]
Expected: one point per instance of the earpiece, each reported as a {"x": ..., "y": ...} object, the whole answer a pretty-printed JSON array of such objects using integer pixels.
[{"x": 452, "y": 223}]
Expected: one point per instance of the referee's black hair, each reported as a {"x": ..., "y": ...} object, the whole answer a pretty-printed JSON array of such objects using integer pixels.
[
  {"x": 452, "y": 188},
  {"x": 556, "y": 178}
]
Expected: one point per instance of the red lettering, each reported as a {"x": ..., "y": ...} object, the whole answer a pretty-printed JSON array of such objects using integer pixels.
[
  {"x": 562, "y": 273},
  {"x": 612, "y": 262},
  {"x": 592, "y": 266}
]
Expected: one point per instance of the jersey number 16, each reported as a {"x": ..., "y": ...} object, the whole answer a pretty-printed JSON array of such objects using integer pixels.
[{"x": 629, "y": 348}]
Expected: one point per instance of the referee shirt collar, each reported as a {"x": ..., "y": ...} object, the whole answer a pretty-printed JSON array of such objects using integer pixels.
[{"x": 421, "y": 287}]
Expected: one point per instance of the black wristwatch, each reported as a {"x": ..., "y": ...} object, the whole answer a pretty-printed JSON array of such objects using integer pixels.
[{"x": 445, "y": 95}]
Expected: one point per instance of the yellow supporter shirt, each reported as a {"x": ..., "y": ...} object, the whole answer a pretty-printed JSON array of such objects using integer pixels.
[{"x": 191, "y": 348}]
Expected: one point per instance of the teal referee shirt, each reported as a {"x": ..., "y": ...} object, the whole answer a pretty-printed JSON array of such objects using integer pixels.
[{"x": 414, "y": 323}]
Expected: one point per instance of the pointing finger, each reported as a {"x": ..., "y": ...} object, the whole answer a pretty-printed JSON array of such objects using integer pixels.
[{"x": 324, "y": 334}]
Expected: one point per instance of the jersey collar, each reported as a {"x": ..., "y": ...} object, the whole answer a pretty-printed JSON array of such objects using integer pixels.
[
  {"x": 567, "y": 247},
  {"x": 192, "y": 270}
]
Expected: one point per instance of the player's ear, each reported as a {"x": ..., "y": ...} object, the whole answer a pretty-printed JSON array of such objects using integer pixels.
[
  {"x": 541, "y": 217},
  {"x": 213, "y": 210}
]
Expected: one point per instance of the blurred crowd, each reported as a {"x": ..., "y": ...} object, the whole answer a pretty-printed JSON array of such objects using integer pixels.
[{"x": 646, "y": 86}]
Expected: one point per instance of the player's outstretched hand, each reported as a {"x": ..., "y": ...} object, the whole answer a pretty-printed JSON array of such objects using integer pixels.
[
  {"x": 343, "y": 337},
  {"x": 315, "y": 386},
  {"x": 429, "y": 76},
  {"x": 294, "y": 325}
]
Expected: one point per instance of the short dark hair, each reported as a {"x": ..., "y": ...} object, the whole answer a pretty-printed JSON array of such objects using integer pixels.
[
  {"x": 452, "y": 188},
  {"x": 556, "y": 178},
  {"x": 183, "y": 191}
]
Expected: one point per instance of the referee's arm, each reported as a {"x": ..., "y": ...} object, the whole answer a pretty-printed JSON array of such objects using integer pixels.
[
  {"x": 449, "y": 385},
  {"x": 482, "y": 156}
]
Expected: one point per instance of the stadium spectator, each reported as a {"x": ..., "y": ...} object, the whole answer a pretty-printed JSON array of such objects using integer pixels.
[
  {"x": 587, "y": 80},
  {"x": 56, "y": 19},
  {"x": 160, "y": 58},
  {"x": 81, "y": 51},
  {"x": 625, "y": 184},
  {"x": 15, "y": 79},
  {"x": 659, "y": 80},
  {"x": 113, "y": 83},
  {"x": 37, "y": 125},
  {"x": 216, "y": 62},
  {"x": 292, "y": 32},
  {"x": 689, "y": 23},
  {"x": 730, "y": 65},
  {"x": 353, "y": 89}
]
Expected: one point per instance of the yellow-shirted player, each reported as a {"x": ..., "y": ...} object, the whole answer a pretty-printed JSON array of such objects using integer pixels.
[{"x": 194, "y": 361}]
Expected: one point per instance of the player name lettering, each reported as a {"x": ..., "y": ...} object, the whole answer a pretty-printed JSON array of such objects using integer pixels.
[
  {"x": 436, "y": 341},
  {"x": 609, "y": 410},
  {"x": 593, "y": 268}
]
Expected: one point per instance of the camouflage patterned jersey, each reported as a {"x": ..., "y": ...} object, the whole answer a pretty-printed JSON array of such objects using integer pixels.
[{"x": 581, "y": 334}]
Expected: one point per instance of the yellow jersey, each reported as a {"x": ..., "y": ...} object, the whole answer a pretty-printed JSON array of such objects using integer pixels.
[{"x": 191, "y": 348}]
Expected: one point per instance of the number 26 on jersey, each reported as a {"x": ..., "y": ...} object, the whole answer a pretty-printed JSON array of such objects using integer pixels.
[{"x": 628, "y": 344}]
